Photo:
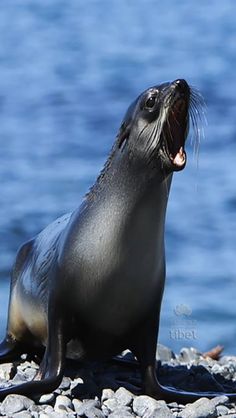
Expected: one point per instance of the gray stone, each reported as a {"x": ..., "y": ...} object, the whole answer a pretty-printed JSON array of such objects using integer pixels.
[
  {"x": 220, "y": 400},
  {"x": 94, "y": 413},
  {"x": 22, "y": 414},
  {"x": 65, "y": 383},
  {"x": 62, "y": 403},
  {"x": 159, "y": 413},
  {"x": 75, "y": 382},
  {"x": 188, "y": 355},
  {"x": 121, "y": 412},
  {"x": 202, "y": 408},
  {"x": 47, "y": 398},
  {"x": 29, "y": 373},
  {"x": 105, "y": 410},
  {"x": 123, "y": 396},
  {"x": 6, "y": 371},
  {"x": 86, "y": 405},
  {"x": 222, "y": 410},
  {"x": 76, "y": 404},
  {"x": 15, "y": 403},
  {"x": 107, "y": 394},
  {"x": 146, "y": 405},
  {"x": 111, "y": 404},
  {"x": 4, "y": 383},
  {"x": 164, "y": 353}
]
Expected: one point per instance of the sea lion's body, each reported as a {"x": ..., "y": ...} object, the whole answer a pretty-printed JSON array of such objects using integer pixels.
[
  {"x": 99, "y": 263},
  {"x": 97, "y": 275}
]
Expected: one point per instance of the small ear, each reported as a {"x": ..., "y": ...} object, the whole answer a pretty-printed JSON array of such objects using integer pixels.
[{"x": 123, "y": 134}]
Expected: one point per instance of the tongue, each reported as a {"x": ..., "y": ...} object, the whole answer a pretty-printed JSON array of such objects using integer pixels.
[{"x": 179, "y": 159}]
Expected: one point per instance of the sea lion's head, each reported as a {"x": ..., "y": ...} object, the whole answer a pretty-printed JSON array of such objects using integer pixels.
[{"x": 156, "y": 125}]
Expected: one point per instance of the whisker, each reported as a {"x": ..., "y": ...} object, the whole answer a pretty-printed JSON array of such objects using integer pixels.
[{"x": 198, "y": 120}]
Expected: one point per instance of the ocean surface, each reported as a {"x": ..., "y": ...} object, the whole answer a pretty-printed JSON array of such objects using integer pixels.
[{"x": 68, "y": 71}]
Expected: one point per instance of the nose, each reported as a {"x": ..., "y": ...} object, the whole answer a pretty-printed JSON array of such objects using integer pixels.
[{"x": 182, "y": 85}]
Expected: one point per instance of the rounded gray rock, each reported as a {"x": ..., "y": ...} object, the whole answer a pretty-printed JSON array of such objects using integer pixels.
[
  {"x": 15, "y": 403},
  {"x": 220, "y": 400},
  {"x": 164, "y": 353},
  {"x": 159, "y": 413},
  {"x": 222, "y": 410},
  {"x": 6, "y": 371},
  {"x": 94, "y": 413},
  {"x": 112, "y": 404},
  {"x": 47, "y": 398},
  {"x": 86, "y": 405},
  {"x": 202, "y": 408},
  {"x": 22, "y": 414},
  {"x": 107, "y": 394},
  {"x": 124, "y": 396},
  {"x": 122, "y": 412},
  {"x": 146, "y": 405},
  {"x": 62, "y": 403}
]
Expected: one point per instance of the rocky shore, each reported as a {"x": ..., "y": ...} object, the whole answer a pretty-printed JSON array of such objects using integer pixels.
[{"x": 112, "y": 389}]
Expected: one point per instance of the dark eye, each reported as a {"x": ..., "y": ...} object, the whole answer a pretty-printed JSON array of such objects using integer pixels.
[{"x": 150, "y": 102}]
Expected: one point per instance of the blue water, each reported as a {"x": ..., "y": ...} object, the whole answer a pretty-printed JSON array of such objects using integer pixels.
[{"x": 68, "y": 71}]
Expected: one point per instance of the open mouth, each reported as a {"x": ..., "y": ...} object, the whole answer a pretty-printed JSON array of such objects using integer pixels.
[{"x": 175, "y": 130}]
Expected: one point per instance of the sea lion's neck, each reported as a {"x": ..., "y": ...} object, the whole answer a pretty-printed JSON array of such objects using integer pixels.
[{"x": 136, "y": 197}]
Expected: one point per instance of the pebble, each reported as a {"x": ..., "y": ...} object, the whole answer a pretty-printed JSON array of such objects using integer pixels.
[
  {"x": 86, "y": 405},
  {"x": 62, "y": 403},
  {"x": 202, "y": 408},
  {"x": 15, "y": 403},
  {"x": 124, "y": 396},
  {"x": 47, "y": 398},
  {"x": 113, "y": 382},
  {"x": 164, "y": 353},
  {"x": 222, "y": 410},
  {"x": 146, "y": 405},
  {"x": 121, "y": 413},
  {"x": 6, "y": 371},
  {"x": 220, "y": 400},
  {"x": 93, "y": 412},
  {"x": 159, "y": 413},
  {"x": 107, "y": 394},
  {"x": 22, "y": 414},
  {"x": 189, "y": 355}
]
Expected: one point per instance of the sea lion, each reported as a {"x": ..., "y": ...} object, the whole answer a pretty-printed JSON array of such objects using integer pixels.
[{"x": 98, "y": 273}]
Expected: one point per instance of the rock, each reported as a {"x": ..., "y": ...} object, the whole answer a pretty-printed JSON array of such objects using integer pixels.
[
  {"x": 112, "y": 404},
  {"x": 202, "y": 408},
  {"x": 123, "y": 396},
  {"x": 189, "y": 355},
  {"x": 93, "y": 412},
  {"x": 222, "y": 410},
  {"x": 86, "y": 405},
  {"x": 76, "y": 382},
  {"x": 47, "y": 398},
  {"x": 65, "y": 383},
  {"x": 76, "y": 404},
  {"x": 122, "y": 412},
  {"x": 107, "y": 394},
  {"x": 159, "y": 413},
  {"x": 62, "y": 403},
  {"x": 146, "y": 405},
  {"x": 22, "y": 414},
  {"x": 6, "y": 371},
  {"x": 164, "y": 353},
  {"x": 220, "y": 400},
  {"x": 15, "y": 403}
]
